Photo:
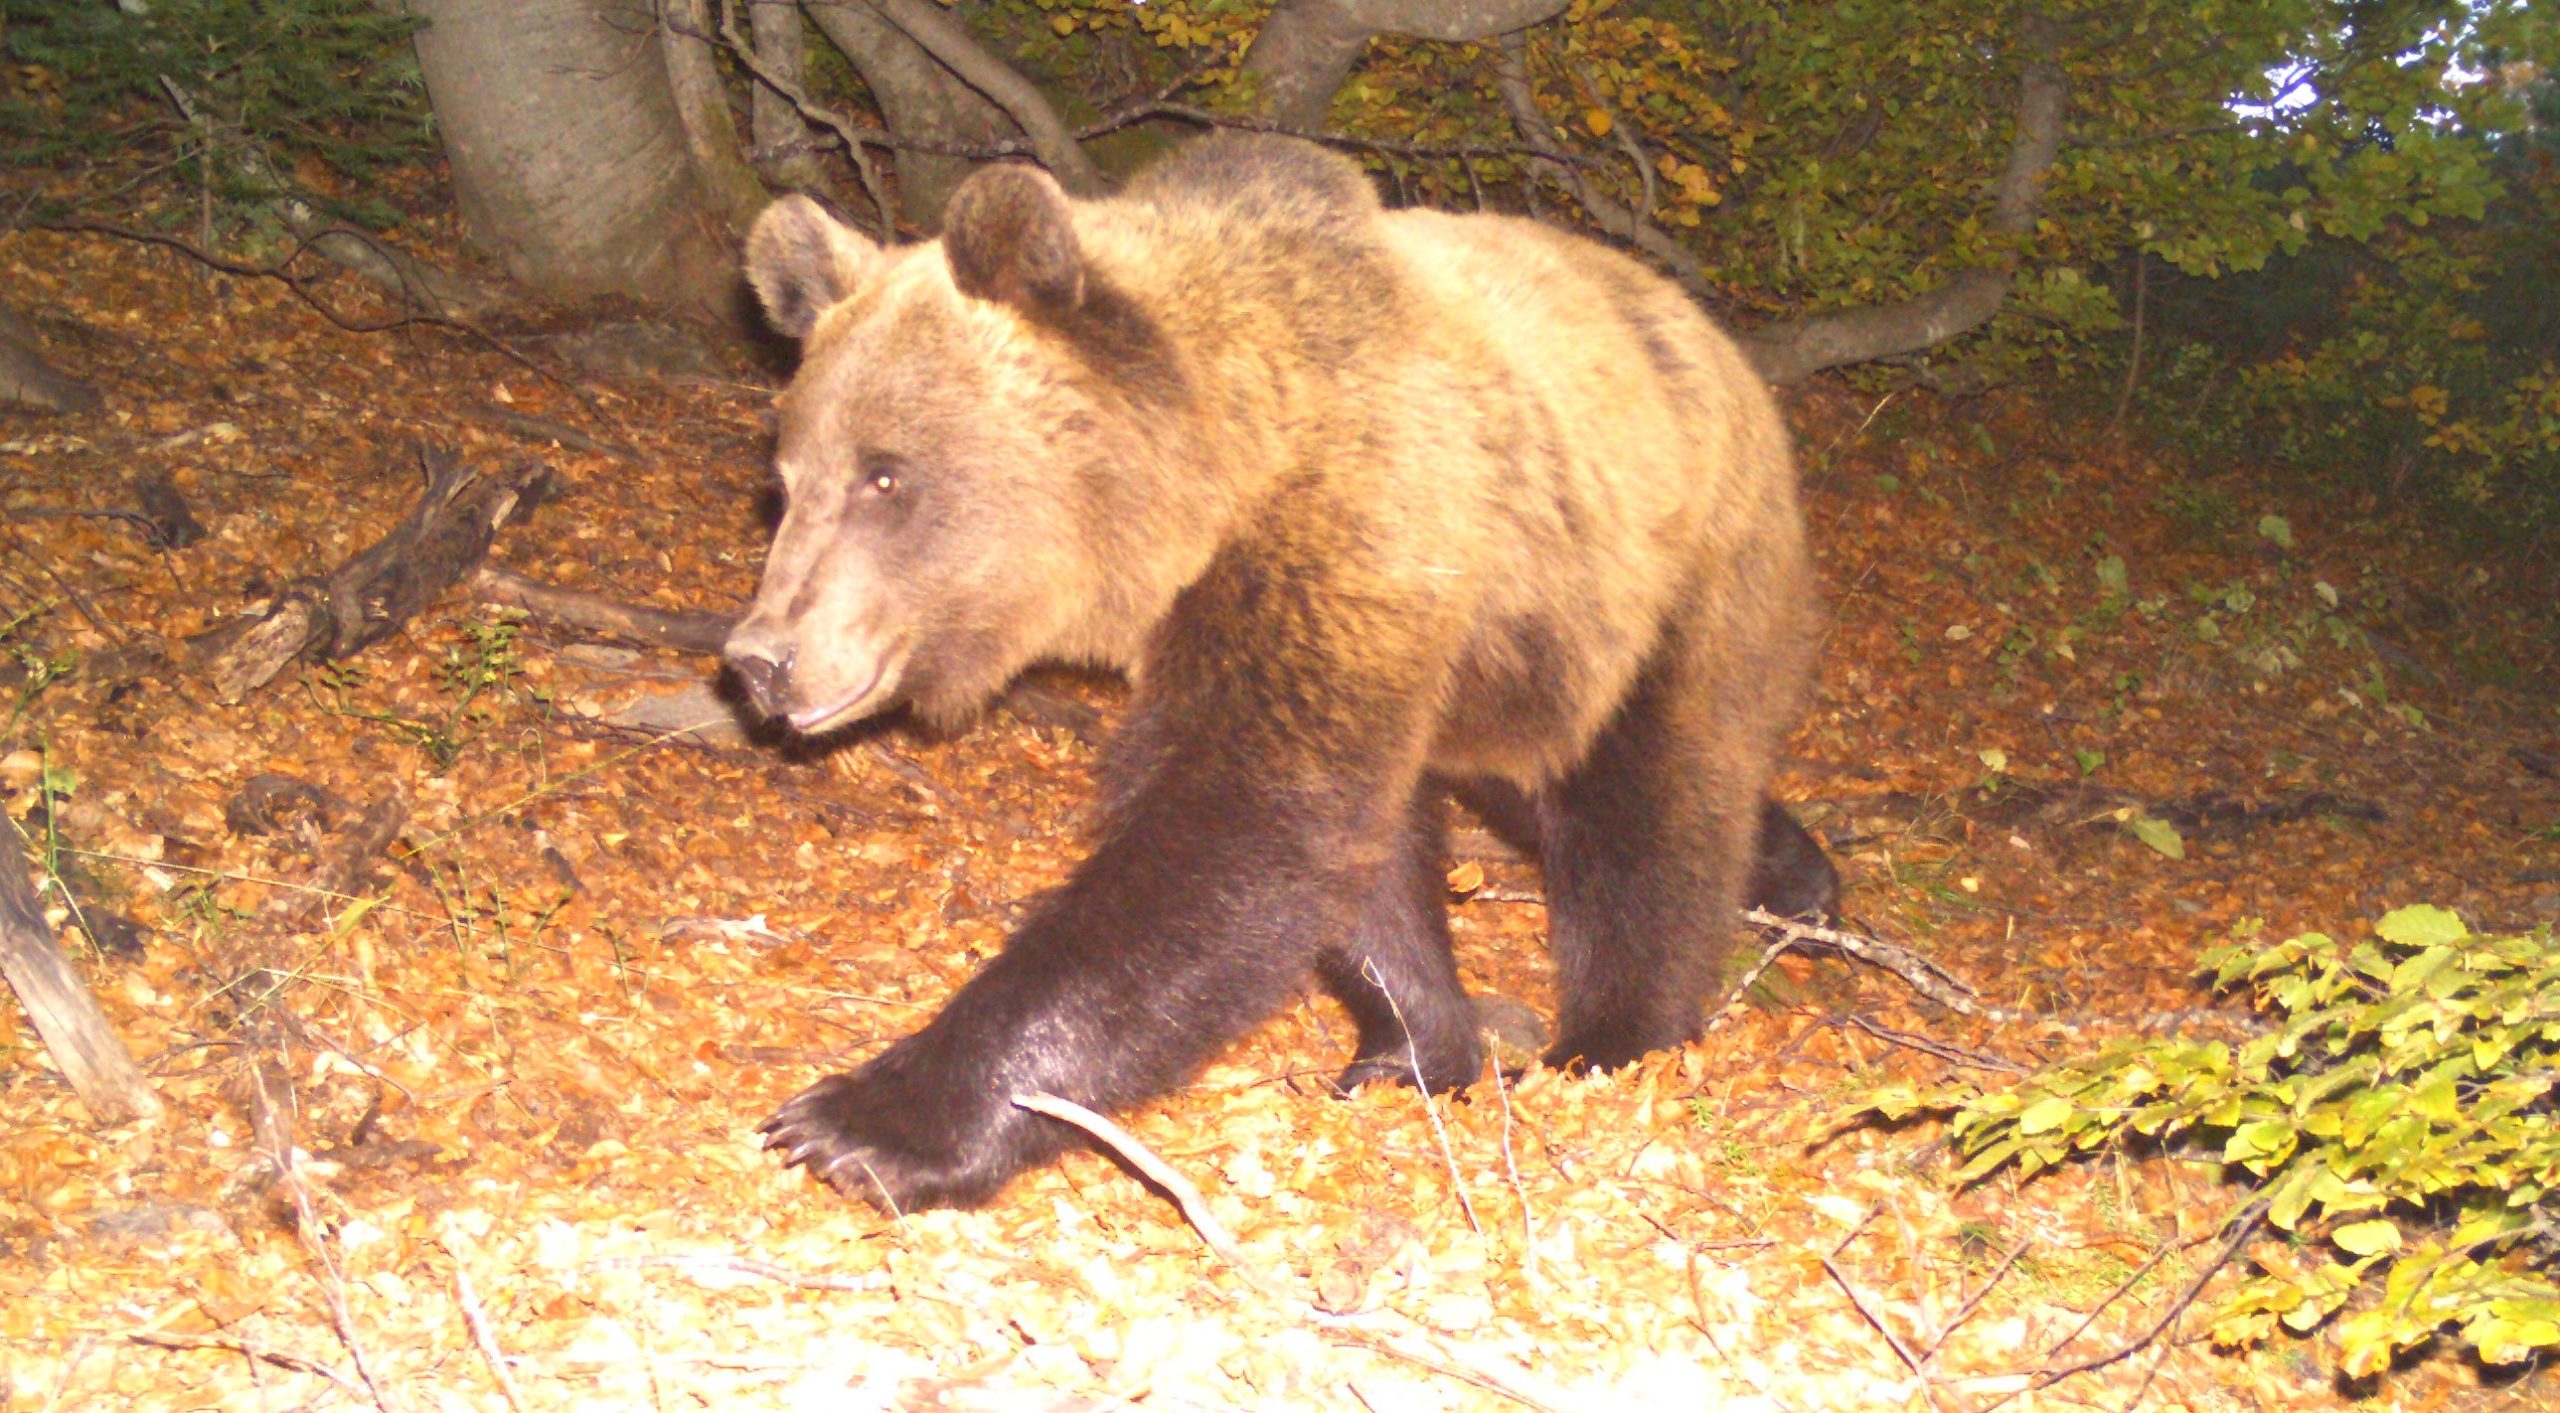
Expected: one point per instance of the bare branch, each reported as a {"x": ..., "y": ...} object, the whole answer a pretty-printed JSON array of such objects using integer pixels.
[
  {"x": 1796, "y": 349},
  {"x": 942, "y": 36},
  {"x": 1511, "y": 78},
  {"x": 1307, "y": 47}
]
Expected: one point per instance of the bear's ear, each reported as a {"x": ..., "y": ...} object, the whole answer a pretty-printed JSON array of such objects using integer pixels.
[
  {"x": 802, "y": 260},
  {"x": 1010, "y": 238}
]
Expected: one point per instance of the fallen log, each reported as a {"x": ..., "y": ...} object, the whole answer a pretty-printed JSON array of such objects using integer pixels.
[
  {"x": 75, "y": 1032},
  {"x": 687, "y": 630},
  {"x": 29, "y": 381},
  {"x": 436, "y": 546}
]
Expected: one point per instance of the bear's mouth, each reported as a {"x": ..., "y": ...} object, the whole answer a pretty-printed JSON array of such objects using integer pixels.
[{"x": 810, "y": 721}]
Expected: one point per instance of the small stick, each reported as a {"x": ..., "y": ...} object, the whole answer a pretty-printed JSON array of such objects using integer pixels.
[
  {"x": 1973, "y": 1303},
  {"x": 715, "y": 1264},
  {"x": 1518, "y": 1385},
  {"x": 281, "y": 1358},
  {"x": 1430, "y": 1108},
  {"x": 1195, "y": 1208},
  {"x": 477, "y": 1319},
  {"x": 1923, "y": 975},
  {"x": 1511, "y": 1167},
  {"x": 1901, "y": 1350}
]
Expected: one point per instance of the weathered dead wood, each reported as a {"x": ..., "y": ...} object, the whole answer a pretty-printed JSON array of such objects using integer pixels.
[
  {"x": 543, "y": 429},
  {"x": 75, "y": 1032},
  {"x": 436, "y": 546},
  {"x": 29, "y": 381},
  {"x": 687, "y": 630}
]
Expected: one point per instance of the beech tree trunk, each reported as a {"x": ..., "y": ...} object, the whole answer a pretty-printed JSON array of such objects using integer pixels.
[
  {"x": 919, "y": 98},
  {"x": 569, "y": 155}
]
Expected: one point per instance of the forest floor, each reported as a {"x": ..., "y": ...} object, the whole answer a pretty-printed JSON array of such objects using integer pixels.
[{"x": 529, "y": 1047}]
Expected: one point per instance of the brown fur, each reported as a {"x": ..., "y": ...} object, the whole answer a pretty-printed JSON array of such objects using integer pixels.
[{"x": 1356, "y": 497}]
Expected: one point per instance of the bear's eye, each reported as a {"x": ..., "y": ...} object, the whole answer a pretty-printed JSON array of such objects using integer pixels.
[{"x": 881, "y": 476}]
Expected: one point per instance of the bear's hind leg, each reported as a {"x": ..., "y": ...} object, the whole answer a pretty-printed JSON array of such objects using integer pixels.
[
  {"x": 1396, "y": 974},
  {"x": 1649, "y": 843}
]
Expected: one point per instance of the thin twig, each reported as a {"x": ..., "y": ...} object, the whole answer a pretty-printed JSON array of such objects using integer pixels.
[
  {"x": 282, "y": 273},
  {"x": 1518, "y": 1385},
  {"x": 1921, "y": 974},
  {"x": 1928, "y": 1386},
  {"x": 1768, "y": 957},
  {"x": 1952, "y": 1054},
  {"x": 477, "y": 1319},
  {"x": 2244, "y": 1227},
  {"x": 1195, "y": 1208},
  {"x": 1511, "y": 1168},
  {"x": 709, "y": 1264},
  {"x": 1421, "y": 1086},
  {"x": 281, "y": 1358},
  {"x": 333, "y": 1286},
  {"x": 1973, "y": 1303}
]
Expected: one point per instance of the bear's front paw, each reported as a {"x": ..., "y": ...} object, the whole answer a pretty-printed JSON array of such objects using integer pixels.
[{"x": 899, "y": 1145}]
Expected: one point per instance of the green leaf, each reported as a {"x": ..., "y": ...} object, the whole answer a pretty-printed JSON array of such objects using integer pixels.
[
  {"x": 2278, "y": 529},
  {"x": 2367, "y": 1238},
  {"x": 2160, "y": 834},
  {"x": 354, "y": 913},
  {"x": 2044, "y": 1115},
  {"x": 2422, "y": 925},
  {"x": 2112, "y": 579},
  {"x": 2089, "y": 760}
]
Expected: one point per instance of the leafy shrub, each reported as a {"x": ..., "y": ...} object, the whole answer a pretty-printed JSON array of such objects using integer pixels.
[{"x": 2397, "y": 1121}]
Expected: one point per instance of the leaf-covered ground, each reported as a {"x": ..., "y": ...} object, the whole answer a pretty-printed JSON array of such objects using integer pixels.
[{"x": 527, "y": 1051}]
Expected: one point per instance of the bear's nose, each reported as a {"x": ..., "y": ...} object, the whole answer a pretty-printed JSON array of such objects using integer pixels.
[{"x": 767, "y": 680}]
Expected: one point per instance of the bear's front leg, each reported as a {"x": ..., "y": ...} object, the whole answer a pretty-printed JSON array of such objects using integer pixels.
[
  {"x": 930, "y": 1122},
  {"x": 1197, "y": 916}
]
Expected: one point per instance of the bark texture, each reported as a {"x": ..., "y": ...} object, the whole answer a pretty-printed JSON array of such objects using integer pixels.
[
  {"x": 920, "y": 98},
  {"x": 941, "y": 36},
  {"x": 75, "y": 1032},
  {"x": 686, "y": 34},
  {"x": 781, "y": 135},
  {"x": 568, "y": 152}
]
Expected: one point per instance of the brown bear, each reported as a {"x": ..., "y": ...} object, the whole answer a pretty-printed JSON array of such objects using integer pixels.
[{"x": 1363, "y": 502}]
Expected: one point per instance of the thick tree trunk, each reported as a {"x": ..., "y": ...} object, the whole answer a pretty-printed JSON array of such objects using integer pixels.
[
  {"x": 781, "y": 136},
  {"x": 920, "y": 99},
  {"x": 687, "y": 33},
  {"x": 568, "y": 153}
]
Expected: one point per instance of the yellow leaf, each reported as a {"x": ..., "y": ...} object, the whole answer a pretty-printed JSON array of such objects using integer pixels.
[
  {"x": 1466, "y": 878},
  {"x": 1597, "y": 119},
  {"x": 1063, "y": 24}
]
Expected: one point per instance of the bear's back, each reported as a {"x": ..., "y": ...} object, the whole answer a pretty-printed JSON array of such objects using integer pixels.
[{"x": 1264, "y": 182}]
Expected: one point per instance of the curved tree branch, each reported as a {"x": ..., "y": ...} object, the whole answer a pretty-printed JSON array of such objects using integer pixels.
[
  {"x": 1511, "y": 77},
  {"x": 1796, "y": 349},
  {"x": 951, "y": 46},
  {"x": 1307, "y": 47},
  {"x": 923, "y": 103}
]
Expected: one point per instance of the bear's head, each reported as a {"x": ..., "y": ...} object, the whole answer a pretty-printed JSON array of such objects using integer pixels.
[{"x": 936, "y": 455}]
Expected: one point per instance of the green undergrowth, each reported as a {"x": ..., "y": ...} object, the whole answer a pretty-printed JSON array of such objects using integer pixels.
[{"x": 2395, "y": 1122}]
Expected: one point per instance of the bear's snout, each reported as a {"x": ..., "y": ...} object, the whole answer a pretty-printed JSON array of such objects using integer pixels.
[{"x": 767, "y": 680}]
